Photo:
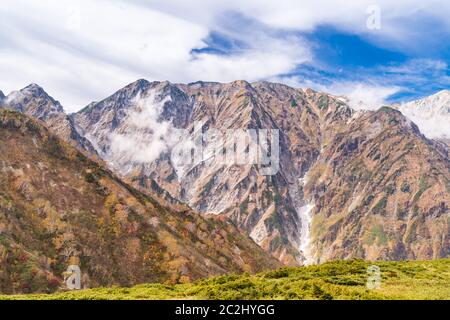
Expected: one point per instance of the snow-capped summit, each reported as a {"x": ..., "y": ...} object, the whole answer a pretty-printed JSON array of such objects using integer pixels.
[{"x": 431, "y": 114}]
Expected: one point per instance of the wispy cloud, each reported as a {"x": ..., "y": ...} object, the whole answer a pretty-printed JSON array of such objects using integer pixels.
[
  {"x": 364, "y": 96},
  {"x": 83, "y": 50},
  {"x": 143, "y": 137},
  {"x": 359, "y": 95},
  {"x": 373, "y": 87}
]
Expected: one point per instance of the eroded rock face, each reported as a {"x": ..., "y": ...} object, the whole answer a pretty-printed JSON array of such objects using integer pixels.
[
  {"x": 383, "y": 192},
  {"x": 349, "y": 184}
]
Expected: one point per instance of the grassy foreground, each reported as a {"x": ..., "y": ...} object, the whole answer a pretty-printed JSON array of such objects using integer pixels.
[{"x": 333, "y": 280}]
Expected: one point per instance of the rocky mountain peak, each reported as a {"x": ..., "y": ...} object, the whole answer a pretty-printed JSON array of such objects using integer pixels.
[
  {"x": 241, "y": 83},
  {"x": 130, "y": 94},
  {"x": 141, "y": 82},
  {"x": 201, "y": 84},
  {"x": 444, "y": 94},
  {"x": 33, "y": 100},
  {"x": 34, "y": 90}
]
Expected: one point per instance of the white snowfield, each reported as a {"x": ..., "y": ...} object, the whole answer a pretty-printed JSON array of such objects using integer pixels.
[{"x": 431, "y": 114}]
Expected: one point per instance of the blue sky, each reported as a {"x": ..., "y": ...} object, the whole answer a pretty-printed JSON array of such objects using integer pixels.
[
  {"x": 339, "y": 56},
  {"x": 418, "y": 71},
  {"x": 81, "y": 51}
]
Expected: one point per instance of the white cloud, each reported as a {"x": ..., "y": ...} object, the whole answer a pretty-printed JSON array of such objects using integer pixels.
[
  {"x": 415, "y": 66},
  {"x": 259, "y": 62},
  {"x": 142, "y": 137},
  {"x": 350, "y": 15},
  {"x": 362, "y": 96},
  {"x": 109, "y": 44},
  {"x": 359, "y": 95},
  {"x": 83, "y": 50}
]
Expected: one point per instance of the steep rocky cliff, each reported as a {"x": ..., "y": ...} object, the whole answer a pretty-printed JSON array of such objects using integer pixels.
[{"x": 349, "y": 184}]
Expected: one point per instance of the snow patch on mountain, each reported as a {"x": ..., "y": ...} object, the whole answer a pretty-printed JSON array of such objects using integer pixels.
[
  {"x": 14, "y": 96},
  {"x": 430, "y": 114},
  {"x": 304, "y": 216},
  {"x": 305, "y": 232}
]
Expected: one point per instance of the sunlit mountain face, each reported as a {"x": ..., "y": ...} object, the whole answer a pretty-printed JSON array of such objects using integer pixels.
[
  {"x": 143, "y": 141},
  {"x": 347, "y": 182}
]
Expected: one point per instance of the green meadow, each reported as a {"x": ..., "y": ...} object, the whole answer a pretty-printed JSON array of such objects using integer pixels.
[{"x": 332, "y": 280}]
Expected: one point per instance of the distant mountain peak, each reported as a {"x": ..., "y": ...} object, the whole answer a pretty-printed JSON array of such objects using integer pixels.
[
  {"x": 34, "y": 101},
  {"x": 240, "y": 83},
  {"x": 141, "y": 86},
  {"x": 25, "y": 98},
  {"x": 442, "y": 96},
  {"x": 33, "y": 86},
  {"x": 444, "y": 92},
  {"x": 35, "y": 90},
  {"x": 438, "y": 102},
  {"x": 431, "y": 114},
  {"x": 141, "y": 83},
  {"x": 201, "y": 84}
]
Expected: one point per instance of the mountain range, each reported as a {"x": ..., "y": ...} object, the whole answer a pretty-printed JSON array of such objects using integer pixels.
[{"x": 366, "y": 184}]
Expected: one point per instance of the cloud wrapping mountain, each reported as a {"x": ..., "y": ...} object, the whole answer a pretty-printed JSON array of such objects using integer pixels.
[
  {"x": 343, "y": 174},
  {"x": 348, "y": 183}
]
